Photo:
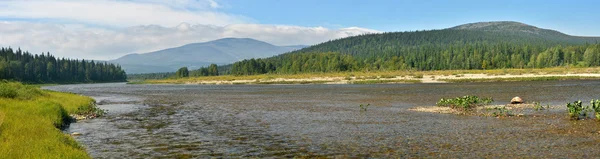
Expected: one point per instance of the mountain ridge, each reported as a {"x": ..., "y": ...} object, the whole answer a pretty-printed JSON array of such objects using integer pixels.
[{"x": 195, "y": 55}]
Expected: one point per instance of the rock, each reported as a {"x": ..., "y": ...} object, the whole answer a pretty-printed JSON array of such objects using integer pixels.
[
  {"x": 75, "y": 134},
  {"x": 516, "y": 100}
]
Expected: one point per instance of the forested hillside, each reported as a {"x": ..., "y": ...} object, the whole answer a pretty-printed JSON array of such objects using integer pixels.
[
  {"x": 29, "y": 68},
  {"x": 492, "y": 46}
]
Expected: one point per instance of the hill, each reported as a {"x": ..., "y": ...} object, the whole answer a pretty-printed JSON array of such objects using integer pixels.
[
  {"x": 222, "y": 51},
  {"x": 509, "y": 27},
  {"x": 484, "y": 45}
]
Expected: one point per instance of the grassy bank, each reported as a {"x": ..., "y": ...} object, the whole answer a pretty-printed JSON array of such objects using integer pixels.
[
  {"x": 30, "y": 119},
  {"x": 407, "y": 75}
]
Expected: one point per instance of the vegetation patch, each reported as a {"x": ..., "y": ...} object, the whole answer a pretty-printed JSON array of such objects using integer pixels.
[
  {"x": 595, "y": 107},
  {"x": 465, "y": 103},
  {"x": 364, "y": 107},
  {"x": 577, "y": 110},
  {"x": 30, "y": 122},
  {"x": 498, "y": 112}
]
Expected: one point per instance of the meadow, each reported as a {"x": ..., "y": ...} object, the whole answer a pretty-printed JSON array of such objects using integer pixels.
[{"x": 31, "y": 120}]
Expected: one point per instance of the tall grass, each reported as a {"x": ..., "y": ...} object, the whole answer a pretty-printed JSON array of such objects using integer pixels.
[{"x": 30, "y": 122}]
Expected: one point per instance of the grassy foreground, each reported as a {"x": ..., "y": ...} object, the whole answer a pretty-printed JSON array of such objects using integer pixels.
[
  {"x": 30, "y": 119},
  {"x": 408, "y": 76}
]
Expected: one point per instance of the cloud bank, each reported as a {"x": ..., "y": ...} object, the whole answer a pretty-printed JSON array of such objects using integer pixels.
[
  {"x": 108, "y": 29},
  {"x": 78, "y": 41}
]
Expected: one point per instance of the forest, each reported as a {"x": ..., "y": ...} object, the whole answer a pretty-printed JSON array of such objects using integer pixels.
[
  {"x": 25, "y": 67},
  {"x": 430, "y": 50}
]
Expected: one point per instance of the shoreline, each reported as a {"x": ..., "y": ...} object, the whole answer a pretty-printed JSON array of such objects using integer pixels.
[{"x": 387, "y": 79}]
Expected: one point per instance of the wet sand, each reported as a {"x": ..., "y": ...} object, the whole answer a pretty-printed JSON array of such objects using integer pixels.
[{"x": 325, "y": 120}]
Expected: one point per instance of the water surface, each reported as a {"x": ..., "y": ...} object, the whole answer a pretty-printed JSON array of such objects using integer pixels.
[{"x": 325, "y": 120}]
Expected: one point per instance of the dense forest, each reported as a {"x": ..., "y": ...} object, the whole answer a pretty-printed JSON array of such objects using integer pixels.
[
  {"x": 44, "y": 68},
  {"x": 448, "y": 49}
]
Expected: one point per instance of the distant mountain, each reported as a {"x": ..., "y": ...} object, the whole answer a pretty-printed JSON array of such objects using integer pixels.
[
  {"x": 195, "y": 55},
  {"x": 510, "y": 27}
]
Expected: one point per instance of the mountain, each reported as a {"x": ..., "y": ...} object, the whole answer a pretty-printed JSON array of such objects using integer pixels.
[
  {"x": 195, "y": 55},
  {"x": 510, "y": 27},
  {"x": 483, "y": 45}
]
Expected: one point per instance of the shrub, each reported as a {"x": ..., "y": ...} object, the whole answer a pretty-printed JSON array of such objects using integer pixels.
[
  {"x": 18, "y": 90},
  {"x": 575, "y": 109},
  {"x": 501, "y": 112},
  {"x": 7, "y": 91},
  {"x": 464, "y": 103},
  {"x": 596, "y": 107}
]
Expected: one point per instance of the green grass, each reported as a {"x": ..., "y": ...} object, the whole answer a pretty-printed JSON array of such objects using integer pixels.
[
  {"x": 30, "y": 122},
  {"x": 513, "y": 79}
]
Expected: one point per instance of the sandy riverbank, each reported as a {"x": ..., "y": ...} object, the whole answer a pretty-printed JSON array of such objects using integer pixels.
[{"x": 401, "y": 79}]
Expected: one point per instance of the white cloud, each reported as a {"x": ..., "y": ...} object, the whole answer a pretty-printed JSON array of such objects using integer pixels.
[
  {"x": 101, "y": 29},
  {"x": 121, "y": 13},
  {"x": 80, "y": 41}
]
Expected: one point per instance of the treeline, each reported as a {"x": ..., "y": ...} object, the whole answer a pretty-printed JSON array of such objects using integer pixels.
[
  {"x": 29, "y": 68},
  {"x": 206, "y": 71},
  {"x": 427, "y": 57},
  {"x": 183, "y": 72}
]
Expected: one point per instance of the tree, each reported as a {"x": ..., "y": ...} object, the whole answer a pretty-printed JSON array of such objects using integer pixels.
[{"x": 182, "y": 72}]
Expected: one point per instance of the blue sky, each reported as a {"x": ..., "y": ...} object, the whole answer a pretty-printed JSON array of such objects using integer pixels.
[
  {"x": 108, "y": 29},
  {"x": 573, "y": 17}
]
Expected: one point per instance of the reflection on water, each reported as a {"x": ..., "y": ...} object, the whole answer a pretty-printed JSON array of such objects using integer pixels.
[{"x": 324, "y": 120}]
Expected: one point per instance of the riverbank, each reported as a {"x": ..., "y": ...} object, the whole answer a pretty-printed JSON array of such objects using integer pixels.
[
  {"x": 447, "y": 76},
  {"x": 31, "y": 119}
]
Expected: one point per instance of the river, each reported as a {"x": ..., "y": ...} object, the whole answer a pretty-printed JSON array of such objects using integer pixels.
[{"x": 232, "y": 121}]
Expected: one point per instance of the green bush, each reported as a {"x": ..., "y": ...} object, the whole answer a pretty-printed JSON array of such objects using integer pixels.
[
  {"x": 464, "y": 103},
  {"x": 596, "y": 107},
  {"x": 18, "y": 90},
  {"x": 575, "y": 109},
  {"x": 7, "y": 91}
]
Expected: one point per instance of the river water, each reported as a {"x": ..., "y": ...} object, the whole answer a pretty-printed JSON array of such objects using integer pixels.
[{"x": 232, "y": 121}]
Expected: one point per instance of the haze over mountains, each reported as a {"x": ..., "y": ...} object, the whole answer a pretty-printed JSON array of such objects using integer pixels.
[{"x": 195, "y": 55}]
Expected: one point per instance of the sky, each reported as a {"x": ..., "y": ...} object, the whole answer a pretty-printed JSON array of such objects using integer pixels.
[{"x": 108, "y": 29}]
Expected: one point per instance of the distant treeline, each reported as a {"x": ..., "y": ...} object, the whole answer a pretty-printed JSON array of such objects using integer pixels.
[
  {"x": 202, "y": 71},
  {"x": 182, "y": 72},
  {"x": 45, "y": 68},
  {"x": 465, "y": 56}
]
